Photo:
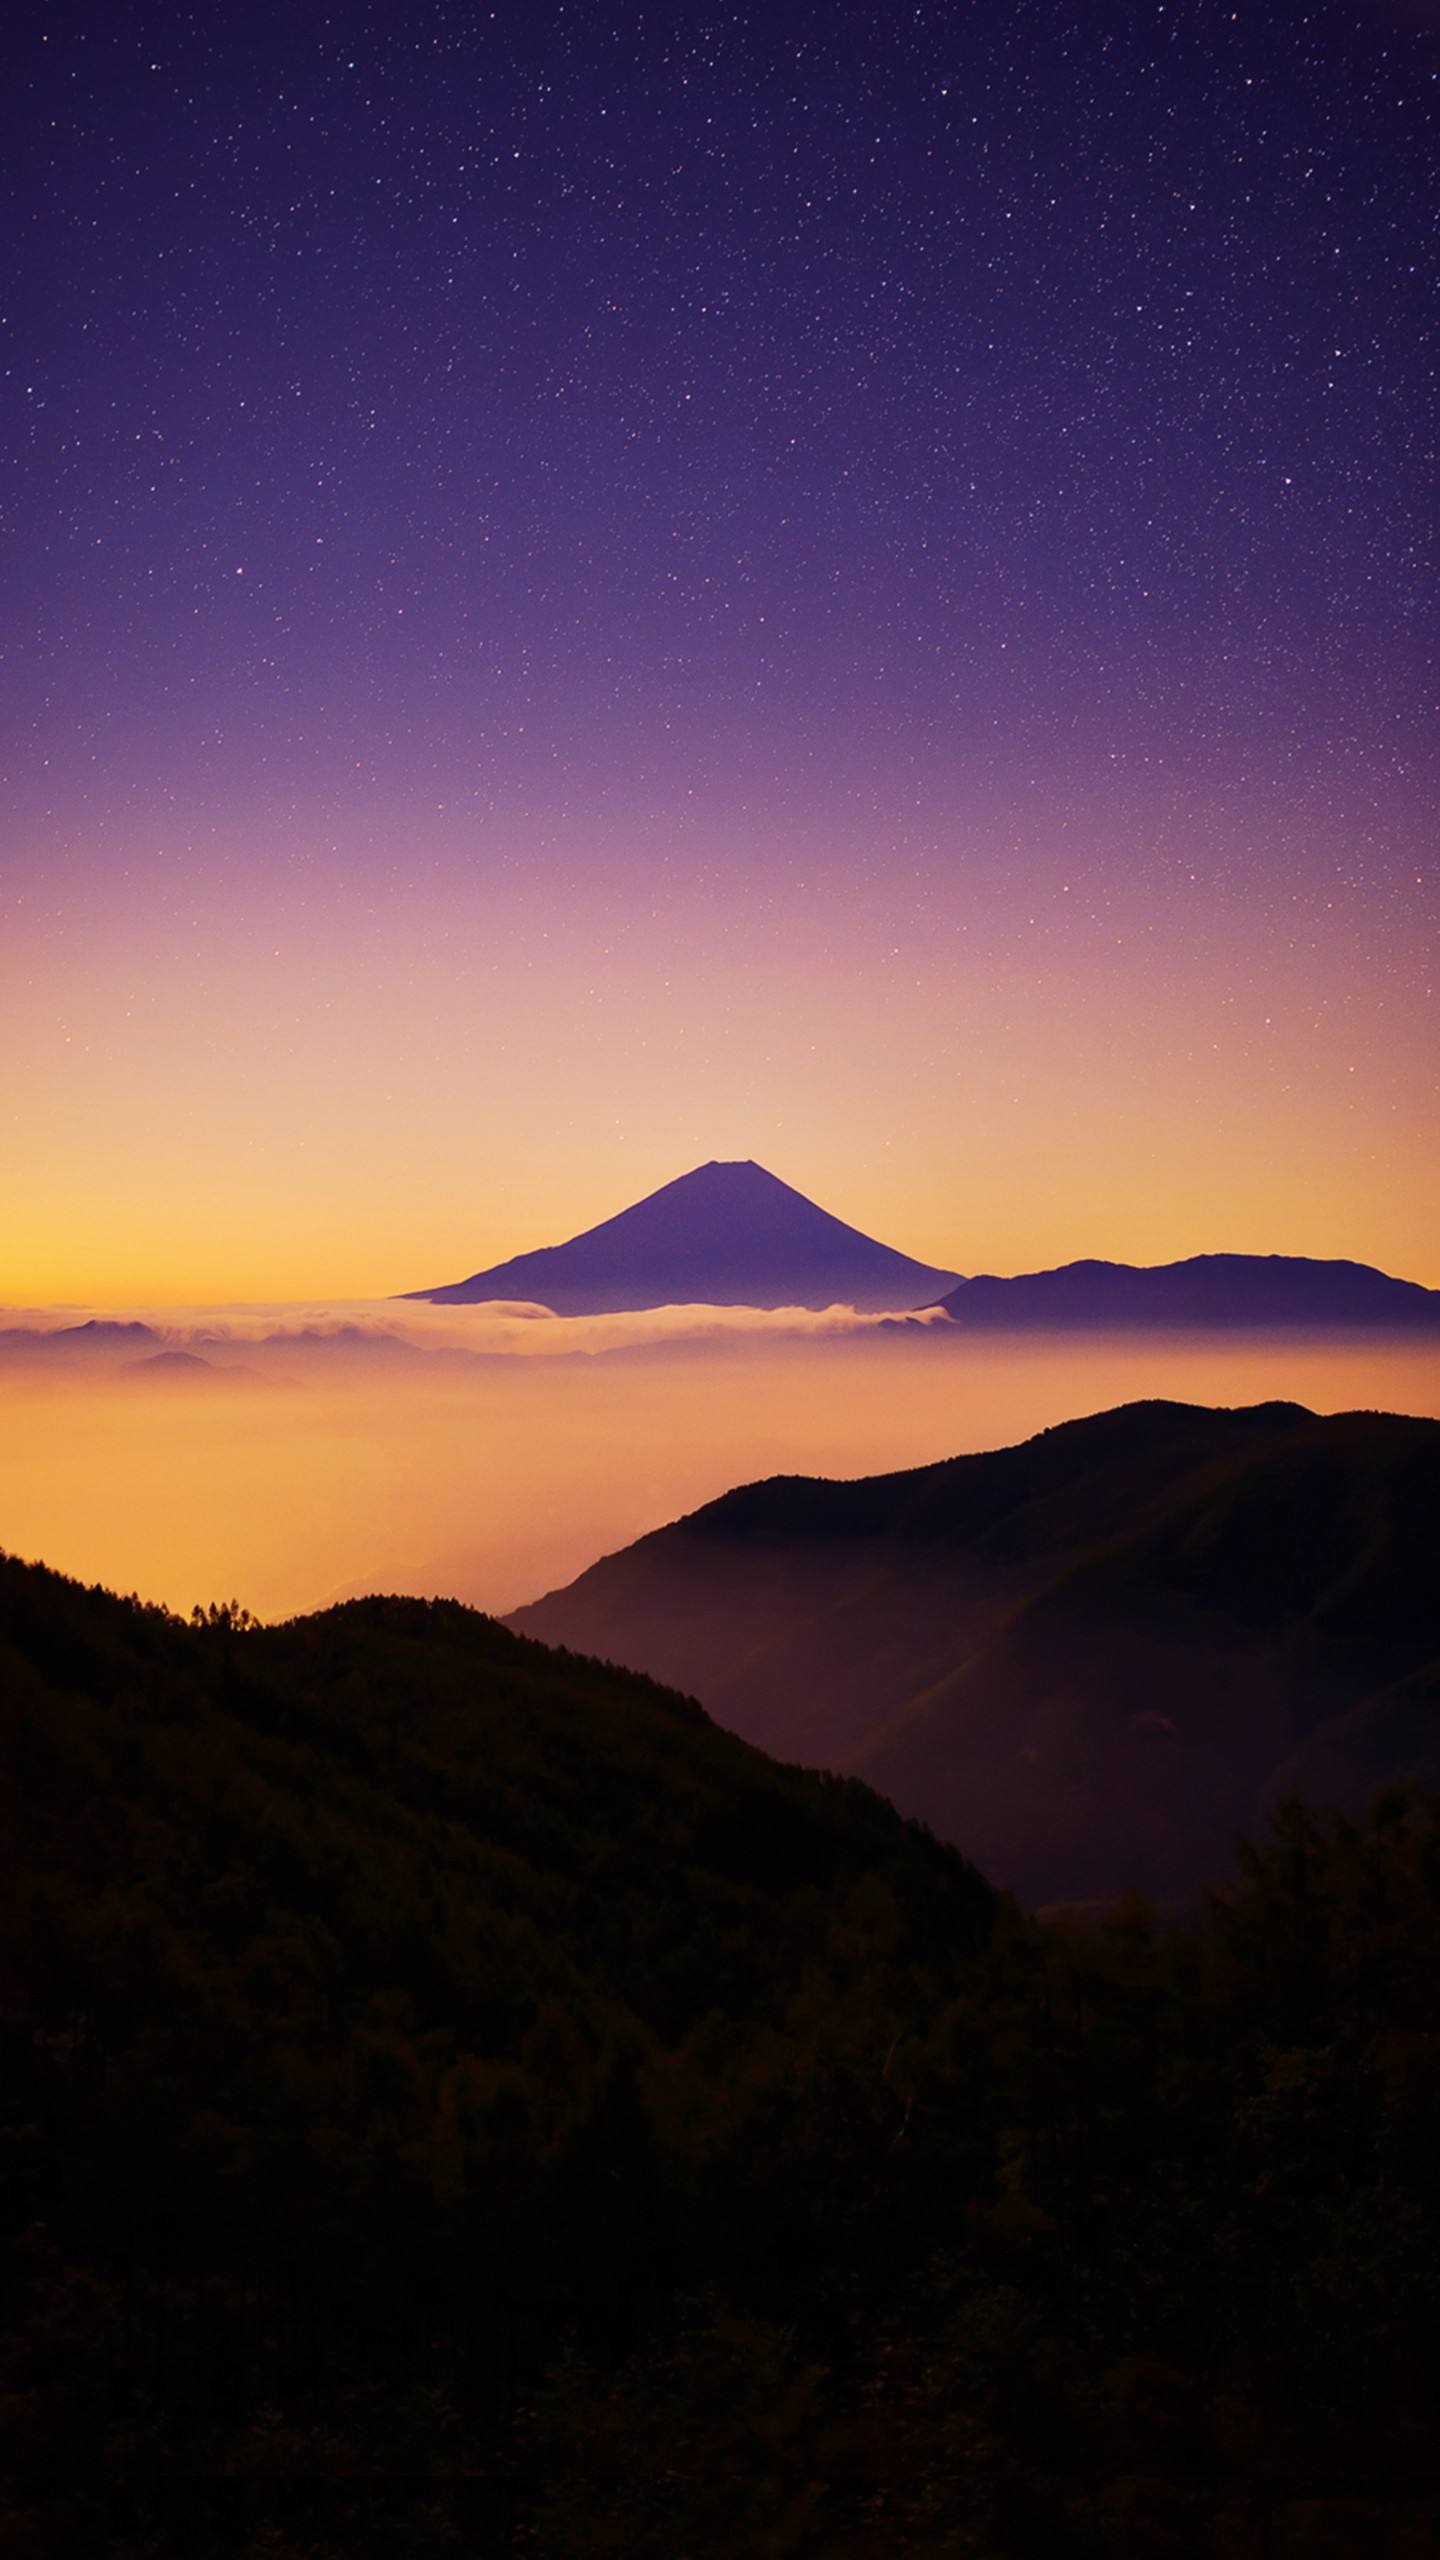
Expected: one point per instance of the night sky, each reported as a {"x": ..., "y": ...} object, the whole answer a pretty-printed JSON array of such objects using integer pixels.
[{"x": 587, "y": 590}]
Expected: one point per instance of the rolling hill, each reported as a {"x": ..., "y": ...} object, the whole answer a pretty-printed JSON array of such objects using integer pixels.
[
  {"x": 456, "y": 2097},
  {"x": 1092, "y": 1658}
]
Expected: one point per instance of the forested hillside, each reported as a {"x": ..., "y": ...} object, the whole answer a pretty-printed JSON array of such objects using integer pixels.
[
  {"x": 458, "y": 2099},
  {"x": 1090, "y": 1660}
]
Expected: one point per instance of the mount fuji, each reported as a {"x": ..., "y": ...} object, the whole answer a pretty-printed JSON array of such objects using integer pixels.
[{"x": 725, "y": 1235}]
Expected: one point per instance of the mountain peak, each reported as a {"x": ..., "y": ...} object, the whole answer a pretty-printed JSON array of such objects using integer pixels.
[{"x": 727, "y": 1233}]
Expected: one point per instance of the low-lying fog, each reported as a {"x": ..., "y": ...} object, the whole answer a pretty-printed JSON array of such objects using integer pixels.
[{"x": 490, "y": 1455}]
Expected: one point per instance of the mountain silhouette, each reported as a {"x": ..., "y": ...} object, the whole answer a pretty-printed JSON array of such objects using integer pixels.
[
  {"x": 1224, "y": 1291},
  {"x": 726, "y": 1235},
  {"x": 457, "y": 2098},
  {"x": 1093, "y": 1658},
  {"x": 183, "y": 1370},
  {"x": 97, "y": 1337}
]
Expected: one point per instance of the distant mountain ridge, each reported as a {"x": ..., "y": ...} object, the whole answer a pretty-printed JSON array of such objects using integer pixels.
[
  {"x": 1091, "y": 1658},
  {"x": 1210, "y": 1291},
  {"x": 96, "y": 1336},
  {"x": 733, "y": 1234},
  {"x": 722, "y": 1235}
]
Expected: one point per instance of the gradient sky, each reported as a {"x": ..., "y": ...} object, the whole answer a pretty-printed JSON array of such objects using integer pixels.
[{"x": 584, "y": 590}]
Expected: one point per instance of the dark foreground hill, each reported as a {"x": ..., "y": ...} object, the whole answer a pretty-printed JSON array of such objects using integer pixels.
[
  {"x": 1091, "y": 1659},
  {"x": 1211, "y": 1293},
  {"x": 455, "y": 2099},
  {"x": 729, "y": 1235}
]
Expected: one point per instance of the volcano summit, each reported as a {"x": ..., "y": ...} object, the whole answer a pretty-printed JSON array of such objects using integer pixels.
[{"x": 726, "y": 1235}]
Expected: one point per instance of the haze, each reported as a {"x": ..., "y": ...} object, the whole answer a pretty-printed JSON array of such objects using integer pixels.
[{"x": 381, "y": 1456}]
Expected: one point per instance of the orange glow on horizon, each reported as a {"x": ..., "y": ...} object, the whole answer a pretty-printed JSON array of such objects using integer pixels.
[
  {"x": 305, "y": 1477},
  {"x": 300, "y": 1095}
]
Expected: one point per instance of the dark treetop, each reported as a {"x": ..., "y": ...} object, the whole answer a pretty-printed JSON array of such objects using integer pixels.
[{"x": 456, "y": 2099}]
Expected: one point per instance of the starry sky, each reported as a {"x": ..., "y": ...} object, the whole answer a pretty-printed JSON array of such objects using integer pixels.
[{"x": 588, "y": 588}]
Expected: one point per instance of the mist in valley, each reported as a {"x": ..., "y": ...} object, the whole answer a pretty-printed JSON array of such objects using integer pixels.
[{"x": 291, "y": 1457}]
